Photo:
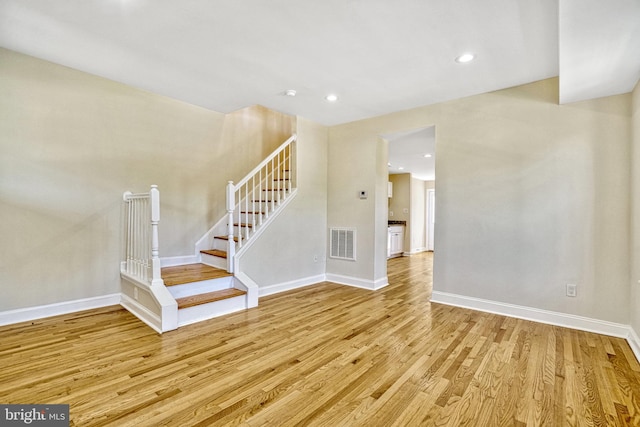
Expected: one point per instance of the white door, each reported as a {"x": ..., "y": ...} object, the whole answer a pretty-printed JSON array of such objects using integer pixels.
[{"x": 431, "y": 211}]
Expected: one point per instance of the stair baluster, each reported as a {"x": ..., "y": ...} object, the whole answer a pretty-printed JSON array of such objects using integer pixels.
[
  {"x": 142, "y": 260},
  {"x": 231, "y": 246}
]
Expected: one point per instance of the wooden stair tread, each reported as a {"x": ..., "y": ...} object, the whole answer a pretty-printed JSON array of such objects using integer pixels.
[
  {"x": 243, "y": 224},
  {"x": 199, "y": 299},
  {"x": 215, "y": 252},
  {"x": 190, "y": 273},
  {"x": 235, "y": 239}
]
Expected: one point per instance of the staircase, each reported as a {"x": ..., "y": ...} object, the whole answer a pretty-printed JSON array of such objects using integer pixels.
[
  {"x": 202, "y": 291},
  {"x": 211, "y": 283},
  {"x": 255, "y": 208}
]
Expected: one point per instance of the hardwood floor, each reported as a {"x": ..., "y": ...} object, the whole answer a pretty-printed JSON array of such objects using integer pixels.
[{"x": 324, "y": 355}]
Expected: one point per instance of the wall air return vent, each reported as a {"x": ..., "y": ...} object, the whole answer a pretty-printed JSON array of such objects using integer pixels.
[{"x": 343, "y": 243}]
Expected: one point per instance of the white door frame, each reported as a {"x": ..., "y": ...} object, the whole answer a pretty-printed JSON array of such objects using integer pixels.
[{"x": 431, "y": 211}]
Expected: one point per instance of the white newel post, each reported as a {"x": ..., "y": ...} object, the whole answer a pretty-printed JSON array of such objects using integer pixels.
[
  {"x": 127, "y": 258},
  {"x": 231, "y": 246},
  {"x": 156, "y": 276}
]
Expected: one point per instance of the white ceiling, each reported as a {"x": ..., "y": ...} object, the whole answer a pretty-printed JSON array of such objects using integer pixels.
[
  {"x": 378, "y": 56},
  {"x": 599, "y": 48}
]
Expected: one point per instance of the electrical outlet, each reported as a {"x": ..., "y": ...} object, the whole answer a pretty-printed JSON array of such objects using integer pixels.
[
  {"x": 572, "y": 290},
  {"x": 391, "y": 214},
  {"x": 405, "y": 210}
]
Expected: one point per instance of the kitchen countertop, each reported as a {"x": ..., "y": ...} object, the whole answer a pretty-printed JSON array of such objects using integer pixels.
[{"x": 397, "y": 223}]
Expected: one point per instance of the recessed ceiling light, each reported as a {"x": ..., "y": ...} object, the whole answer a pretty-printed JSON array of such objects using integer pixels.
[
  {"x": 427, "y": 155},
  {"x": 331, "y": 97},
  {"x": 290, "y": 92},
  {"x": 465, "y": 57},
  {"x": 389, "y": 164},
  {"x": 401, "y": 168}
]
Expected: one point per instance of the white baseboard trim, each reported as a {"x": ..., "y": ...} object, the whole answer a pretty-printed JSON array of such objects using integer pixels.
[
  {"x": 288, "y": 286},
  {"x": 38, "y": 312},
  {"x": 534, "y": 314},
  {"x": 179, "y": 260},
  {"x": 415, "y": 251},
  {"x": 141, "y": 312},
  {"x": 372, "y": 285},
  {"x": 634, "y": 342}
]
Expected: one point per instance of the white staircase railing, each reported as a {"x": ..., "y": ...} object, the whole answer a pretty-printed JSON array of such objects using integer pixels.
[
  {"x": 258, "y": 195},
  {"x": 142, "y": 215}
]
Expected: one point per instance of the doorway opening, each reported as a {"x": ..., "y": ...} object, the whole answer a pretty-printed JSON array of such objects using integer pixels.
[
  {"x": 431, "y": 217},
  {"x": 411, "y": 167}
]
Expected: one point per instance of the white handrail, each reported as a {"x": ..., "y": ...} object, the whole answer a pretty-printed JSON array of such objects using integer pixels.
[
  {"x": 254, "y": 198},
  {"x": 267, "y": 160},
  {"x": 142, "y": 258}
]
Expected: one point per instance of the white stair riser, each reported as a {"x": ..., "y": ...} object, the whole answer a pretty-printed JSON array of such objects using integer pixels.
[
  {"x": 202, "y": 287},
  {"x": 220, "y": 244},
  {"x": 198, "y": 313},
  {"x": 214, "y": 261}
]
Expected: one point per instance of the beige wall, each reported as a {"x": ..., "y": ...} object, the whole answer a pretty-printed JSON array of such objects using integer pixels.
[
  {"x": 635, "y": 200},
  {"x": 72, "y": 143},
  {"x": 417, "y": 239},
  {"x": 350, "y": 171},
  {"x": 531, "y": 196},
  {"x": 380, "y": 194}
]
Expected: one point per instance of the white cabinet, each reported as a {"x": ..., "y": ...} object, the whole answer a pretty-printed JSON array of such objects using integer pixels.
[{"x": 395, "y": 241}]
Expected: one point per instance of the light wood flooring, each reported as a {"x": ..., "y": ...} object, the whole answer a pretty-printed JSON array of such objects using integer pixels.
[{"x": 324, "y": 355}]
